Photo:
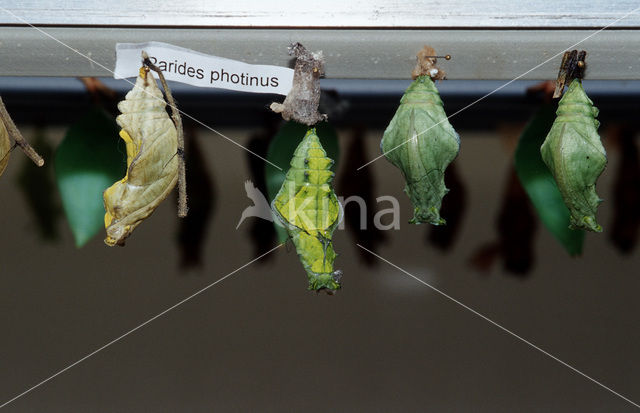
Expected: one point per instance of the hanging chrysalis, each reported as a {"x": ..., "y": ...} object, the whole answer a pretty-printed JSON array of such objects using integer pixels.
[
  {"x": 301, "y": 103},
  {"x": 306, "y": 204},
  {"x": 421, "y": 142},
  {"x": 572, "y": 150},
  {"x": 309, "y": 209},
  {"x": 152, "y": 165},
  {"x": 5, "y": 147}
]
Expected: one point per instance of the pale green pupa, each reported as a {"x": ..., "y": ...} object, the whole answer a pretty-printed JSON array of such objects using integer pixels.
[
  {"x": 575, "y": 156},
  {"x": 421, "y": 142}
]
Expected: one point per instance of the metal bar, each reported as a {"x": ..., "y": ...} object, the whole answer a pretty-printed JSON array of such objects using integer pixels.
[
  {"x": 328, "y": 13},
  {"x": 365, "y": 54}
]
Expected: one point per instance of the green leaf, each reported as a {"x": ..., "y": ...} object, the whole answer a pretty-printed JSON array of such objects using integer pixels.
[
  {"x": 89, "y": 159},
  {"x": 281, "y": 151},
  {"x": 538, "y": 181}
]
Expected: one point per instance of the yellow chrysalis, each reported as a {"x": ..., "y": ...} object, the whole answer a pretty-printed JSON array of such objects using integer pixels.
[{"x": 152, "y": 164}]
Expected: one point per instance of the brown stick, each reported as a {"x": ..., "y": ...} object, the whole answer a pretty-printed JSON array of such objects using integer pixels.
[
  {"x": 543, "y": 89},
  {"x": 98, "y": 91},
  {"x": 177, "y": 120},
  {"x": 17, "y": 136},
  {"x": 571, "y": 67}
]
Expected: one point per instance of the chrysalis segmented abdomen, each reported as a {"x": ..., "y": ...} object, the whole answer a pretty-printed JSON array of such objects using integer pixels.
[
  {"x": 310, "y": 211},
  {"x": 575, "y": 156},
  {"x": 421, "y": 142},
  {"x": 152, "y": 164}
]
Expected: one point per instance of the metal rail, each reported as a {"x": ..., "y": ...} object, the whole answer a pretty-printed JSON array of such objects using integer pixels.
[
  {"x": 350, "y": 53},
  {"x": 477, "y": 14}
]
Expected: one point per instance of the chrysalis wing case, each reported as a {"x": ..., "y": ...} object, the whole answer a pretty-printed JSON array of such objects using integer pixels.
[
  {"x": 310, "y": 211},
  {"x": 421, "y": 142},
  {"x": 152, "y": 164},
  {"x": 5, "y": 147},
  {"x": 575, "y": 156}
]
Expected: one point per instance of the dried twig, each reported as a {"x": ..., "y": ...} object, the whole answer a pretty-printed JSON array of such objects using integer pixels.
[
  {"x": 301, "y": 104},
  {"x": 97, "y": 90},
  {"x": 177, "y": 120},
  {"x": 572, "y": 67},
  {"x": 544, "y": 90},
  {"x": 17, "y": 136}
]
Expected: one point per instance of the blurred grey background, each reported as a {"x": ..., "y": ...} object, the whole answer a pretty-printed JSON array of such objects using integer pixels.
[{"x": 258, "y": 341}]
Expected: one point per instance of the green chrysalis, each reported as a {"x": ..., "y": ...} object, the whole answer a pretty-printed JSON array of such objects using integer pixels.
[
  {"x": 421, "y": 142},
  {"x": 575, "y": 156},
  {"x": 310, "y": 211}
]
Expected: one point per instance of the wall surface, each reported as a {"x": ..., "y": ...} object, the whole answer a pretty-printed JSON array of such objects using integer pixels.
[{"x": 258, "y": 341}]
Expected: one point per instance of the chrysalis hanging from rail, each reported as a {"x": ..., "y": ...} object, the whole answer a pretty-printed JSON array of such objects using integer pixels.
[
  {"x": 306, "y": 204},
  {"x": 310, "y": 211},
  {"x": 421, "y": 142},
  {"x": 152, "y": 163},
  {"x": 573, "y": 151}
]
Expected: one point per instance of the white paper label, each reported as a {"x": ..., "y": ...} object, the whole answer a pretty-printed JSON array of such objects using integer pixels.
[{"x": 198, "y": 69}]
